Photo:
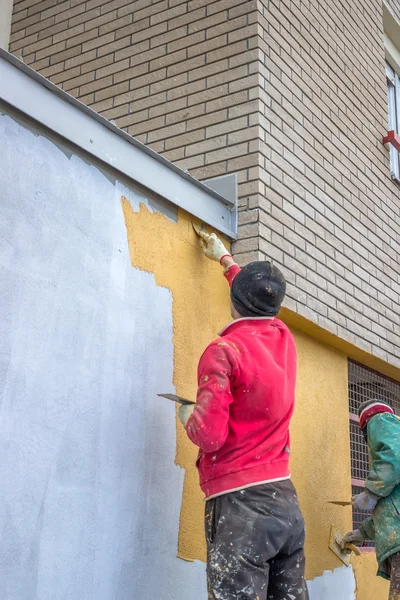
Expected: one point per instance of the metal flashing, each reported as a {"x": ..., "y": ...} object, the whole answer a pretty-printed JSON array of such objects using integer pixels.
[{"x": 38, "y": 98}]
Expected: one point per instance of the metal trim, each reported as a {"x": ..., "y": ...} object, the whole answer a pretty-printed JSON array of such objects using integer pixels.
[{"x": 35, "y": 96}]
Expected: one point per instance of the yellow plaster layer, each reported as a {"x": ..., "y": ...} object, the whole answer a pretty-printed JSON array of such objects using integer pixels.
[
  {"x": 369, "y": 586},
  {"x": 200, "y": 309},
  {"x": 320, "y": 427},
  {"x": 320, "y": 448}
]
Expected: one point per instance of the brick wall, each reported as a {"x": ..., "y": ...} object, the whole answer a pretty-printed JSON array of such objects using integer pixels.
[
  {"x": 330, "y": 208},
  {"x": 290, "y": 94},
  {"x": 394, "y": 7}
]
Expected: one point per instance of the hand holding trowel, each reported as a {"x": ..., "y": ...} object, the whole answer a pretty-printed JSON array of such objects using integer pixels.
[{"x": 185, "y": 409}]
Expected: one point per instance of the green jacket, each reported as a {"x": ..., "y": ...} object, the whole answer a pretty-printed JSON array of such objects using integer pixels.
[{"x": 383, "y": 480}]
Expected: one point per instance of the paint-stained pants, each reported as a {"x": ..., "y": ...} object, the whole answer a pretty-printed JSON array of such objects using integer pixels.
[
  {"x": 255, "y": 544},
  {"x": 394, "y": 562}
]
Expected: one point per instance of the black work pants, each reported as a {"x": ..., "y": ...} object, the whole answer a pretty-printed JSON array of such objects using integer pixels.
[
  {"x": 394, "y": 562},
  {"x": 255, "y": 544}
]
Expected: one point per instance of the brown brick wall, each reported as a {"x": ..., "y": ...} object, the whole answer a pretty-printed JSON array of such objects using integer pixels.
[{"x": 290, "y": 94}]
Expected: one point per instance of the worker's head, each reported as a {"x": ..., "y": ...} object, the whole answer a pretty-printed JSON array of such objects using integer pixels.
[
  {"x": 258, "y": 290},
  {"x": 372, "y": 407}
]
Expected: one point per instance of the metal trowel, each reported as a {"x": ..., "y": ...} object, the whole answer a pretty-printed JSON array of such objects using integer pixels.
[
  {"x": 176, "y": 398},
  {"x": 340, "y": 503}
]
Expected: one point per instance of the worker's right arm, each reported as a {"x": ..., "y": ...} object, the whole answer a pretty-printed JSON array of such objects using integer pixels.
[
  {"x": 384, "y": 446},
  {"x": 214, "y": 249},
  {"x": 207, "y": 427}
]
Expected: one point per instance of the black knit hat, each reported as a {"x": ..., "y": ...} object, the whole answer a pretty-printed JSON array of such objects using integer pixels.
[{"x": 258, "y": 290}]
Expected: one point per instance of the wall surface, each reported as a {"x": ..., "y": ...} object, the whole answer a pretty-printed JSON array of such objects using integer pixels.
[
  {"x": 91, "y": 498},
  {"x": 283, "y": 93},
  {"x": 110, "y": 302}
]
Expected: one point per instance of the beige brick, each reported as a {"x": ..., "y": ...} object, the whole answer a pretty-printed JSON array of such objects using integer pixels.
[
  {"x": 165, "y": 38},
  {"x": 116, "y": 25},
  {"x": 206, "y": 120},
  {"x": 175, "y": 111},
  {"x": 66, "y": 75},
  {"x": 187, "y": 41},
  {"x": 167, "y": 15},
  {"x": 201, "y": 23},
  {"x": 28, "y": 41},
  {"x": 80, "y": 59},
  {"x": 175, "y": 86},
  {"x": 116, "y": 92},
  {"x": 169, "y": 59},
  {"x": 113, "y": 68},
  {"x": 65, "y": 54},
  {"x": 226, "y": 127},
  {"x": 49, "y": 51},
  {"x": 187, "y": 19},
  {"x": 76, "y": 82},
  {"x": 184, "y": 139},
  {"x": 95, "y": 85}
]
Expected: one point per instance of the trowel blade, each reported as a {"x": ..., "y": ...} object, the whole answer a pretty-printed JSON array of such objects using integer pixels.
[
  {"x": 340, "y": 503},
  {"x": 196, "y": 228},
  {"x": 176, "y": 398}
]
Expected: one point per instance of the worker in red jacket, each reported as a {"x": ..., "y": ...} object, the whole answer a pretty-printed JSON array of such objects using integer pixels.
[{"x": 246, "y": 385}]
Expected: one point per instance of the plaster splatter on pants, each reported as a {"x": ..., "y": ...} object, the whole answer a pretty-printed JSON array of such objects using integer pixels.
[{"x": 255, "y": 544}]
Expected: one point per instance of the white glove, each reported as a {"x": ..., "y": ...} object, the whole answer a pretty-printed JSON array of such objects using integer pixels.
[
  {"x": 213, "y": 248},
  {"x": 365, "y": 501},
  {"x": 353, "y": 537},
  {"x": 185, "y": 411}
]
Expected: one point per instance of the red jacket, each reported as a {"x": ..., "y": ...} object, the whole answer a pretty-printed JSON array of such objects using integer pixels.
[{"x": 244, "y": 404}]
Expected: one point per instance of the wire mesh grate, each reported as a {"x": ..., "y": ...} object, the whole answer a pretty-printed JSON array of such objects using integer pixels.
[
  {"x": 365, "y": 385},
  {"x": 359, "y": 453}
]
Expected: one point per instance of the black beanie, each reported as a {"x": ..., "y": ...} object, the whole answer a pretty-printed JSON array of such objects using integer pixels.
[{"x": 258, "y": 290}]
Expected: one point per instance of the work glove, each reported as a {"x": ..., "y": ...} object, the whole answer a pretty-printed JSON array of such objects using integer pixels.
[
  {"x": 212, "y": 246},
  {"x": 365, "y": 501},
  {"x": 353, "y": 537},
  {"x": 185, "y": 411}
]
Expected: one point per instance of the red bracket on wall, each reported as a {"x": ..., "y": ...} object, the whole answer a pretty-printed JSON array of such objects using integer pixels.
[{"x": 392, "y": 138}]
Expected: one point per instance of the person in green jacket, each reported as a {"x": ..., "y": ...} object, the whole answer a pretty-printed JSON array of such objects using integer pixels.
[{"x": 381, "y": 429}]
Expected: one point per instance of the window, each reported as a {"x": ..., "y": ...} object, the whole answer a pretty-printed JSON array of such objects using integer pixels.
[
  {"x": 393, "y": 84},
  {"x": 364, "y": 384}
]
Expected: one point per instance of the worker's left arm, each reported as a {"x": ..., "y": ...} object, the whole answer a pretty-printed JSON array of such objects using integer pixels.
[
  {"x": 384, "y": 445},
  {"x": 207, "y": 426}
]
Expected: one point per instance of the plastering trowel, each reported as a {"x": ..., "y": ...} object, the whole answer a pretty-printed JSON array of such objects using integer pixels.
[
  {"x": 176, "y": 398},
  {"x": 340, "y": 502},
  {"x": 335, "y": 539}
]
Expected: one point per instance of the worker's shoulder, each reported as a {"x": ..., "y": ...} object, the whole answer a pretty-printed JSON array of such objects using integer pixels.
[{"x": 383, "y": 424}]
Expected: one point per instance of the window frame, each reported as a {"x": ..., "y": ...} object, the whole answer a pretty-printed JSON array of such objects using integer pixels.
[{"x": 393, "y": 92}]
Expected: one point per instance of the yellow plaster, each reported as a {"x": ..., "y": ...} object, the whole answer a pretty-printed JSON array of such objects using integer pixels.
[
  {"x": 320, "y": 448},
  {"x": 320, "y": 427},
  {"x": 200, "y": 309}
]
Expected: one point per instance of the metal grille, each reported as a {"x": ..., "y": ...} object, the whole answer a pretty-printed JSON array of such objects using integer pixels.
[
  {"x": 359, "y": 453},
  {"x": 364, "y": 385}
]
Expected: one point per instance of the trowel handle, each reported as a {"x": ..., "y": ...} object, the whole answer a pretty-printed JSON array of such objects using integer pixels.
[{"x": 353, "y": 548}]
